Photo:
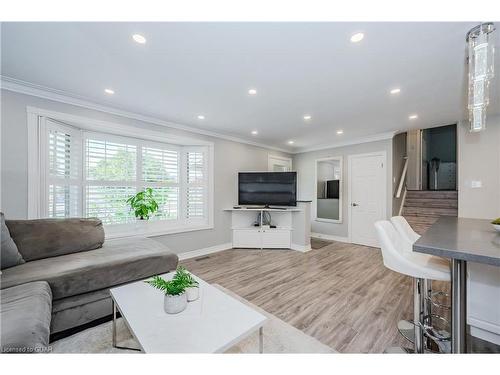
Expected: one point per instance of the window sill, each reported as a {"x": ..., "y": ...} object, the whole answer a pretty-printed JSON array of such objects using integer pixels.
[{"x": 145, "y": 232}]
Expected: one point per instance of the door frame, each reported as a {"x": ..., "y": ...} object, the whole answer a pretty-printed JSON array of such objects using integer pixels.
[{"x": 382, "y": 153}]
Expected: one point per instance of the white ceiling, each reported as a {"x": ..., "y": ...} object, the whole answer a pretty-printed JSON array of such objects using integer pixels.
[{"x": 187, "y": 69}]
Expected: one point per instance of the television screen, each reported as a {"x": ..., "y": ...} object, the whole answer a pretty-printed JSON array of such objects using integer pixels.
[
  {"x": 267, "y": 188},
  {"x": 332, "y": 189}
]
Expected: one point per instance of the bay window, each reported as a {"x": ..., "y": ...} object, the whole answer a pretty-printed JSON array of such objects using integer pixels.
[{"x": 85, "y": 173}]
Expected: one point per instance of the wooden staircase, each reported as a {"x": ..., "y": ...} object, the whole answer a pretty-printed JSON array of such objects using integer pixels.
[{"x": 423, "y": 207}]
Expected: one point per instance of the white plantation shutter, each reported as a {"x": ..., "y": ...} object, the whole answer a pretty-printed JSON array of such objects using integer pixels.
[
  {"x": 110, "y": 161},
  {"x": 196, "y": 184},
  {"x": 63, "y": 170},
  {"x": 91, "y": 174},
  {"x": 168, "y": 202},
  {"x": 160, "y": 165},
  {"x": 109, "y": 203},
  {"x": 110, "y": 178},
  {"x": 160, "y": 171}
]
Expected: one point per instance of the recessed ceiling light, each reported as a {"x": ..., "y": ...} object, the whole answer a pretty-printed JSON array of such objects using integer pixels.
[
  {"x": 139, "y": 38},
  {"x": 307, "y": 117},
  {"x": 252, "y": 92},
  {"x": 358, "y": 37},
  {"x": 413, "y": 117},
  {"x": 255, "y": 132},
  {"x": 291, "y": 142},
  {"x": 201, "y": 117},
  {"x": 109, "y": 91},
  {"x": 340, "y": 132},
  {"x": 395, "y": 91}
]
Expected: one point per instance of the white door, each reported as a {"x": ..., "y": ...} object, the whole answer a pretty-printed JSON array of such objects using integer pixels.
[
  {"x": 367, "y": 196},
  {"x": 279, "y": 164}
]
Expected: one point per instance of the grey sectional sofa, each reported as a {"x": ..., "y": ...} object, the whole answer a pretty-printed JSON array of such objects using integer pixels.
[
  {"x": 70, "y": 255},
  {"x": 25, "y": 314}
]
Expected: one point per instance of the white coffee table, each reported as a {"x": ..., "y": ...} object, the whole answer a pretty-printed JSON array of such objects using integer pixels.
[{"x": 211, "y": 324}]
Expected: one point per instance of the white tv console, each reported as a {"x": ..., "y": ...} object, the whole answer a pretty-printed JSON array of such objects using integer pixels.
[{"x": 293, "y": 228}]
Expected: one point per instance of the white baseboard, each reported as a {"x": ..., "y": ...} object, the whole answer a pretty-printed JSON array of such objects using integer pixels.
[
  {"x": 329, "y": 237},
  {"x": 301, "y": 248},
  {"x": 205, "y": 251}
]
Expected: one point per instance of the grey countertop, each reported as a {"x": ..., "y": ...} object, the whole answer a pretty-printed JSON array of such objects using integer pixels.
[{"x": 472, "y": 240}]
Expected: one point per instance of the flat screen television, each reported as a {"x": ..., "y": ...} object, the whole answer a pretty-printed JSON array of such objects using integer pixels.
[
  {"x": 332, "y": 189},
  {"x": 267, "y": 188}
]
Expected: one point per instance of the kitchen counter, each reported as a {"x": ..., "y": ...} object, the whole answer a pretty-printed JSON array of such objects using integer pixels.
[
  {"x": 463, "y": 241},
  {"x": 472, "y": 240}
]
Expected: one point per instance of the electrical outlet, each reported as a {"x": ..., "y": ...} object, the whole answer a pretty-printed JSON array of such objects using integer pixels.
[{"x": 476, "y": 184}]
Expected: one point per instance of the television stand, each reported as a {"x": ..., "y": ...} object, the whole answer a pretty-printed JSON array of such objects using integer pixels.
[{"x": 292, "y": 227}]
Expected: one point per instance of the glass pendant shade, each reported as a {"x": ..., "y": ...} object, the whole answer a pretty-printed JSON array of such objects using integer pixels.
[{"x": 481, "y": 71}]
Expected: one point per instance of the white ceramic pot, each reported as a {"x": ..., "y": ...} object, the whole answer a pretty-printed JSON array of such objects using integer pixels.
[
  {"x": 175, "y": 304},
  {"x": 497, "y": 227},
  {"x": 193, "y": 293}
]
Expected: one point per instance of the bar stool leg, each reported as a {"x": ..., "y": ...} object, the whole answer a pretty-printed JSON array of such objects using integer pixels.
[
  {"x": 418, "y": 313},
  {"x": 428, "y": 309}
]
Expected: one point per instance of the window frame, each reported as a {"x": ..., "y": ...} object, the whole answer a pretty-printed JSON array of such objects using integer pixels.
[{"x": 38, "y": 172}]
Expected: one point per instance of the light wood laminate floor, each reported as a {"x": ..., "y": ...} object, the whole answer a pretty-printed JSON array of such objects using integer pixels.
[{"x": 340, "y": 294}]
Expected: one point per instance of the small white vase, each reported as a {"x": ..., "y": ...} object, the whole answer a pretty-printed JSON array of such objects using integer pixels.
[
  {"x": 193, "y": 293},
  {"x": 175, "y": 304}
]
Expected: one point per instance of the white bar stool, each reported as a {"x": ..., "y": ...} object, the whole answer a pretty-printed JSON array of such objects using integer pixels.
[
  {"x": 398, "y": 256},
  {"x": 407, "y": 232},
  {"x": 404, "y": 229}
]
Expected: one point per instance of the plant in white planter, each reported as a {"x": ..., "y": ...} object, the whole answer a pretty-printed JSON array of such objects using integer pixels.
[
  {"x": 175, "y": 299},
  {"x": 496, "y": 224},
  {"x": 192, "y": 286},
  {"x": 143, "y": 204}
]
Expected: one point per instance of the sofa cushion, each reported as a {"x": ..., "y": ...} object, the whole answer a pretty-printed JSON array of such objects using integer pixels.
[
  {"x": 45, "y": 238},
  {"x": 25, "y": 314},
  {"x": 9, "y": 255},
  {"x": 117, "y": 262}
]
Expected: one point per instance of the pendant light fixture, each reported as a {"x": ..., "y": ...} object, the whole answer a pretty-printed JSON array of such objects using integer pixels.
[{"x": 481, "y": 61}]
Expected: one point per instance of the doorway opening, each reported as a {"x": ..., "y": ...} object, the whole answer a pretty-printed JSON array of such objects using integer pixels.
[
  {"x": 439, "y": 158},
  {"x": 432, "y": 158}
]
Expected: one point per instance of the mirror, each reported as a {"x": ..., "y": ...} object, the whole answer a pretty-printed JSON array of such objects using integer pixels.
[
  {"x": 329, "y": 189},
  {"x": 279, "y": 164}
]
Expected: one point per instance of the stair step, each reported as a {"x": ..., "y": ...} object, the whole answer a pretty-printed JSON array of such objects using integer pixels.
[
  {"x": 426, "y": 202},
  {"x": 430, "y": 211},
  {"x": 424, "y": 220},
  {"x": 432, "y": 194},
  {"x": 420, "y": 224}
]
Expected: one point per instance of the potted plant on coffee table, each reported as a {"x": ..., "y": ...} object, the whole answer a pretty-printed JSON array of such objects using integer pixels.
[
  {"x": 496, "y": 224},
  {"x": 175, "y": 299},
  {"x": 192, "y": 286}
]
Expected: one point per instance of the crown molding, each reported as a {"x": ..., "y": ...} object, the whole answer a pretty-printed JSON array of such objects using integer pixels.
[
  {"x": 356, "y": 141},
  {"x": 28, "y": 88}
]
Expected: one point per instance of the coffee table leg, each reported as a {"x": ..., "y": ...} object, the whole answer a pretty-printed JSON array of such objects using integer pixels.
[{"x": 261, "y": 340}]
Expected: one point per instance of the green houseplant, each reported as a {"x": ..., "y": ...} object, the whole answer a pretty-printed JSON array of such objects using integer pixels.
[
  {"x": 175, "y": 299},
  {"x": 183, "y": 277},
  {"x": 496, "y": 224},
  {"x": 143, "y": 204}
]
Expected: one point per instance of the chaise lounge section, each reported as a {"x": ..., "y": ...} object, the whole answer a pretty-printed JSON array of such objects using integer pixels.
[
  {"x": 25, "y": 312},
  {"x": 72, "y": 258}
]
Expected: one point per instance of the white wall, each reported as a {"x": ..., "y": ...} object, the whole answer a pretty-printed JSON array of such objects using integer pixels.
[
  {"x": 230, "y": 157},
  {"x": 479, "y": 161},
  {"x": 304, "y": 164}
]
